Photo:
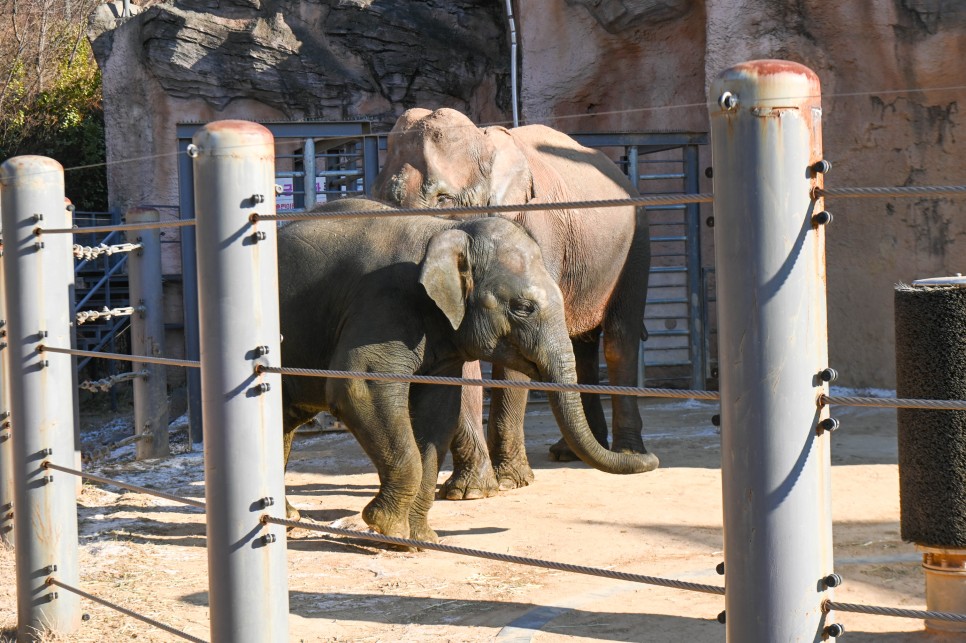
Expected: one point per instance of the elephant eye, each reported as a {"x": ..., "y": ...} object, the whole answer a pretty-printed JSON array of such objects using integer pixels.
[
  {"x": 445, "y": 201},
  {"x": 522, "y": 307}
]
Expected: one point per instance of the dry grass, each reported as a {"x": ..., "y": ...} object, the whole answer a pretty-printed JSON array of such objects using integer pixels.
[{"x": 120, "y": 564}]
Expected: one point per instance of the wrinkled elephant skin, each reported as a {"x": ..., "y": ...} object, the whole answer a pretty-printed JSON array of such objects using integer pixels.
[{"x": 417, "y": 295}]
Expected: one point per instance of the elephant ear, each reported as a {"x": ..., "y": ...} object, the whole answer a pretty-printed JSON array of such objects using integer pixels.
[
  {"x": 447, "y": 275},
  {"x": 510, "y": 177}
]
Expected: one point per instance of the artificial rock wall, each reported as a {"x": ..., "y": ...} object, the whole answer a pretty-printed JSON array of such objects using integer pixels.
[{"x": 889, "y": 71}]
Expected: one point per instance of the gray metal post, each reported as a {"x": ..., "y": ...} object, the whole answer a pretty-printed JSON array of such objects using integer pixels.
[
  {"x": 692, "y": 222},
  {"x": 370, "y": 161},
  {"x": 308, "y": 177},
  {"x": 147, "y": 336},
  {"x": 6, "y": 445},
  {"x": 634, "y": 174},
  {"x": 237, "y": 272},
  {"x": 37, "y": 273},
  {"x": 766, "y": 134},
  {"x": 189, "y": 291}
]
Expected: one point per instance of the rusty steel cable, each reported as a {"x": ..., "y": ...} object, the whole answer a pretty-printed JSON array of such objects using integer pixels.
[
  {"x": 893, "y": 403},
  {"x": 840, "y": 400},
  {"x": 88, "y": 253},
  {"x": 123, "y": 485},
  {"x": 506, "y": 558},
  {"x": 898, "y": 612},
  {"x": 645, "y": 201},
  {"x": 121, "y": 227},
  {"x": 650, "y": 200},
  {"x": 901, "y": 191},
  {"x": 105, "y": 384},
  {"x": 462, "y": 381},
  {"x": 102, "y": 452},
  {"x": 164, "y": 361},
  {"x": 123, "y": 610}
]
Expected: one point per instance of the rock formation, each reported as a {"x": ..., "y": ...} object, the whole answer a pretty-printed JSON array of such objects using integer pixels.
[{"x": 891, "y": 75}]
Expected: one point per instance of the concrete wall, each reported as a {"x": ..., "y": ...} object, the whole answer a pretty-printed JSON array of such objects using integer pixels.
[{"x": 892, "y": 75}]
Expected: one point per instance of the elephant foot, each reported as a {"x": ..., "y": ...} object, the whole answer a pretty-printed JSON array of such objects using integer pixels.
[
  {"x": 384, "y": 521},
  {"x": 469, "y": 484},
  {"x": 422, "y": 531},
  {"x": 513, "y": 475},
  {"x": 560, "y": 452},
  {"x": 631, "y": 443},
  {"x": 651, "y": 461},
  {"x": 291, "y": 513}
]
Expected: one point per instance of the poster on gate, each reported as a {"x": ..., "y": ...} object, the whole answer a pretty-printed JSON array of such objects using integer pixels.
[{"x": 285, "y": 200}]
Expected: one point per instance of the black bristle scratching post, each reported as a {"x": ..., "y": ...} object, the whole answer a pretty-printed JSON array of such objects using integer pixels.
[{"x": 931, "y": 364}]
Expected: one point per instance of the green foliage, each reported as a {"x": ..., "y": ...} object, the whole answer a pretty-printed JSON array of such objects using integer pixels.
[{"x": 64, "y": 121}]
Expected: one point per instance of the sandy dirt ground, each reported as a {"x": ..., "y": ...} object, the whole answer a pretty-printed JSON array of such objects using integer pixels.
[{"x": 148, "y": 554}]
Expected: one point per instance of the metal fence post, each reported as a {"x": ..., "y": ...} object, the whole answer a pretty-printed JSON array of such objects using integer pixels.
[
  {"x": 234, "y": 170},
  {"x": 692, "y": 223},
  {"x": 6, "y": 445},
  {"x": 38, "y": 272},
  {"x": 189, "y": 289},
  {"x": 147, "y": 336},
  {"x": 770, "y": 253},
  {"x": 309, "y": 194}
]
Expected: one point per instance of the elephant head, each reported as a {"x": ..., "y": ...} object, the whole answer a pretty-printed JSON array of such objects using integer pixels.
[
  {"x": 441, "y": 159},
  {"x": 488, "y": 278}
]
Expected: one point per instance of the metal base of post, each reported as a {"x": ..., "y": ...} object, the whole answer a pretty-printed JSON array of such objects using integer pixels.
[{"x": 945, "y": 572}]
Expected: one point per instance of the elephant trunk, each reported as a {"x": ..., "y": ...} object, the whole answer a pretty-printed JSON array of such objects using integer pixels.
[{"x": 569, "y": 413}]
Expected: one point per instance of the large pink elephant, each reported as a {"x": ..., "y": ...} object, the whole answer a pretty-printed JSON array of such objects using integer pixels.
[{"x": 599, "y": 257}]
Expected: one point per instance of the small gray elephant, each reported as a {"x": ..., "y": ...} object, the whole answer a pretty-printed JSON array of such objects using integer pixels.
[{"x": 418, "y": 295}]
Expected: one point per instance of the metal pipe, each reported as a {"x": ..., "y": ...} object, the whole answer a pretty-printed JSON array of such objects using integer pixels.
[
  {"x": 147, "y": 336},
  {"x": 238, "y": 277},
  {"x": 36, "y": 276},
  {"x": 692, "y": 216},
  {"x": 766, "y": 134},
  {"x": 126, "y": 10},
  {"x": 6, "y": 444},
  {"x": 513, "y": 62},
  {"x": 189, "y": 289},
  {"x": 308, "y": 178}
]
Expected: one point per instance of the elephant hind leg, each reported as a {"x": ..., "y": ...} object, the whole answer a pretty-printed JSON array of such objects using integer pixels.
[
  {"x": 292, "y": 418},
  {"x": 473, "y": 475},
  {"x": 622, "y": 352},
  {"x": 435, "y": 414},
  {"x": 505, "y": 437}
]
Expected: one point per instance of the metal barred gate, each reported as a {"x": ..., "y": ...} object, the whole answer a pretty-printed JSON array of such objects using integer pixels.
[{"x": 344, "y": 158}]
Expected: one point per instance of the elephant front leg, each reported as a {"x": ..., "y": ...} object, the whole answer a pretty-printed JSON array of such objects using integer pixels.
[
  {"x": 505, "y": 437},
  {"x": 588, "y": 372},
  {"x": 377, "y": 414},
  {"x": 473, "y": 475}
]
